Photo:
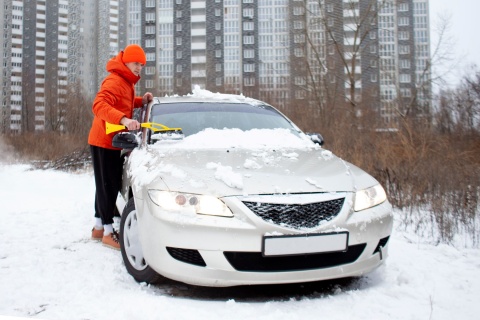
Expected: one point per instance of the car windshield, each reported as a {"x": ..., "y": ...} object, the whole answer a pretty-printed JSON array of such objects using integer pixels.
[{"x": 194, "y": 117}]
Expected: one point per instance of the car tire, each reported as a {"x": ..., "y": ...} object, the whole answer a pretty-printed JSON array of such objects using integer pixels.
[{"x": 131, "y": 248}]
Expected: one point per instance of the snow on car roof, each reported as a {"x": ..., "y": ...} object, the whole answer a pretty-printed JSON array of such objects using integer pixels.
[{"x": 199, "y": 94}]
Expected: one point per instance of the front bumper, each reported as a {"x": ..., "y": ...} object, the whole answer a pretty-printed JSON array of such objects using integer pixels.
[{"x": 218, "y": 251}]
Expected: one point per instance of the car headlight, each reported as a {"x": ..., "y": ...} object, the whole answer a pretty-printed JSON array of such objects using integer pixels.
[
  {"x": 369, "y": 197},
  {"x": 189, "y": 203}
]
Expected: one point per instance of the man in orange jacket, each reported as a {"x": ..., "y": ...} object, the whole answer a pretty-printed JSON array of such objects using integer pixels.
[{"x": 114, "y": 103}]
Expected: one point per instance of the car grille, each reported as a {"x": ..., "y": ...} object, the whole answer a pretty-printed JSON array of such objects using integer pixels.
[
  {"x": 255, "y": 261},
  {"x": 297, "y": 216}
]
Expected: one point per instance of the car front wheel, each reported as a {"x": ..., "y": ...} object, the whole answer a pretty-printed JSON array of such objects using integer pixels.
[{"x": 132, "y": 249}]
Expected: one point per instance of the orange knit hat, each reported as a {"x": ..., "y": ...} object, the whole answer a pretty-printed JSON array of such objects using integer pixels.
[{"x": 134, "y": 53}]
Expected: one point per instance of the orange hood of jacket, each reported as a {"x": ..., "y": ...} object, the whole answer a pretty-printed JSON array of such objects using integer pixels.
[{"x": 115, "y": 100}]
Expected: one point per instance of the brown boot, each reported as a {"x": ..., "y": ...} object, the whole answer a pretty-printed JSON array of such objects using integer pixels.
[
  {"x": 97, "y": 235},
  {"x": 111, "y": 240}
]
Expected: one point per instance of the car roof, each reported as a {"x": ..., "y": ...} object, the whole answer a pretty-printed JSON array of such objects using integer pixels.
[{"x": 209, "y": 97}]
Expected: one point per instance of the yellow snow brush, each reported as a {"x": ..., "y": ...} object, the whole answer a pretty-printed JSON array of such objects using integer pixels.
[{"x": 156, "y": 127}]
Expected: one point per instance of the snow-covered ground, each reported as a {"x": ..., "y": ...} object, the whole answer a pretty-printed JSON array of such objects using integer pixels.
[{"x": 50, "y": 269}]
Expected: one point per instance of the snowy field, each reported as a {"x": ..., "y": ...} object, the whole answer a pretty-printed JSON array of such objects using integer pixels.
[{"x": 50, "y": 269}]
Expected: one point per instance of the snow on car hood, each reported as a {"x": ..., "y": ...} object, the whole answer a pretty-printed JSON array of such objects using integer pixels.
[{"x": 233, "y": 162}]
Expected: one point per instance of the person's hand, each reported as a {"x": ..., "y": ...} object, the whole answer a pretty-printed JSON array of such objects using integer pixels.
[
  {"x": 147, "y": 97},
  {"x": 130, "y": 123}
]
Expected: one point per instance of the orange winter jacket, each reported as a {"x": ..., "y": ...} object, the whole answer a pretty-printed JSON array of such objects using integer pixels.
[{"x": 115, "y": 99}]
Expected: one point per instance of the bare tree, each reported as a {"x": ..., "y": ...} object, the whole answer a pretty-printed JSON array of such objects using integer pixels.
[
  {"x": 459, "y": 109},
  {"x": 347, "y": 27},
  {"x": 78, "y": 113}
]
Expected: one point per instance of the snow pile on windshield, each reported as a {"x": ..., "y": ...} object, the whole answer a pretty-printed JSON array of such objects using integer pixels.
[{"x": 236, "y": 138}]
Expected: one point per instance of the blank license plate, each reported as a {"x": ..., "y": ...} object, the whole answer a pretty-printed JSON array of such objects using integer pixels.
[{"x": 304, "y": 244}]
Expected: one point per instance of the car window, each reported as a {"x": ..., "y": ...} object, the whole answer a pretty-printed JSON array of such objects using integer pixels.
[{"x": 195, "y": 117}]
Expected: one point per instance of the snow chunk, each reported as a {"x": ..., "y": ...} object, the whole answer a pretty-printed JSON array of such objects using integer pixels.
[
  {"x": 314, "y": 183},
  {"x": 327, "y": 154},
  {"x": 226, "y": 175},
  {"x": 251, "y": 164},
  {"x": 144, "y": 172}
]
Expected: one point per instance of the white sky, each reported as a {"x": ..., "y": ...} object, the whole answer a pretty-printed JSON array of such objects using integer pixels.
[{"x": 464, "y": 30}]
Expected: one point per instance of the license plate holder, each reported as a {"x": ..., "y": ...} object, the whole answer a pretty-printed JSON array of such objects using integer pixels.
[{"x": 309, "y": 243}]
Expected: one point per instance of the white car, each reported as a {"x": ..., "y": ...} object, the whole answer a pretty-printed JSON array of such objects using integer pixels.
[{"x": 241, "y": 196}]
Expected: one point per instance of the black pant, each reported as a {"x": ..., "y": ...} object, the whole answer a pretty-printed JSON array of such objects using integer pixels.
[{"x": 107, "y": 168}]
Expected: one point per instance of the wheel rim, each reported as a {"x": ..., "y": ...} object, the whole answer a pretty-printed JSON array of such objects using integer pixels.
[{"x": 132, "y": 246}]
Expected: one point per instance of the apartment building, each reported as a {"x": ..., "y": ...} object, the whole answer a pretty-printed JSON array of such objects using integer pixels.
[
  {"x": 51, "y": 51},
  {"x": 291, "y": 53}
]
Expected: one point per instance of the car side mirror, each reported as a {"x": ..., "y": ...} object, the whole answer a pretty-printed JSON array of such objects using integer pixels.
[
  {"x": 125, "y": 140},
  {"x": 316, "y": 137}
]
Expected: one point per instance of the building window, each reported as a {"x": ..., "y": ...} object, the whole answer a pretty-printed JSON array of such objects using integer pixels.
[
  {"x": 150, "y": 17},
  {"x": 405, "y": 64},
  {"x": 248, "y": 54},
  {"x": 402, "y": 7},
  {"x": 249, "y": 67},
  {"x": 179, "y": 27},
  {"x": 179, "y": 41},
  {"x": 179, "y": 55},
  {"x": 249, "y": 81},
  {"x": 299, "y": 94},
  {"x": 218, "y": 81},
  {"x": 149, "y": 84},
  {"x": 150, "y": 43},
  {"x": 150, "y": 3},
  {"x": 406, "y": 92},
  {"x": 150, "y": 30},
  {"x": 218, "y": 12},
  {"x": 248, "y": 40},
  {"x": 218, "y": 67},
  {"x": 218, "y": 39},
  {"x": 373, "y": 77},
  {"x": 404, "y": 49},
  {"x": 403, "y": 35},
  {"x": 298, "y": 24},
  {"x": 179, "y": 68},
  {"x": 150, "y": 70},
  {"x": 179, "y": 82},
  {"x": 300, "y": 81},
  {"x": 179, "y": 14},
  {"x": 298, "y": 52},
  {"x": 218, "y": 26},
  {"x": 150, "y": 56},
  {"x": 405, "y": 78},
  {"x": 218, "y": 53},
  {"x": 403, "y": 21},
  {"x": 299, "y": 38},
  {"x": 298, "y": 11},
  {"x": 248, "y": 13},
  {"x": 248, "y": 26}
]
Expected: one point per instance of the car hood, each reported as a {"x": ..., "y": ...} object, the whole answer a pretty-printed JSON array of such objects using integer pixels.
[{"x": 236, "y": 171}]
